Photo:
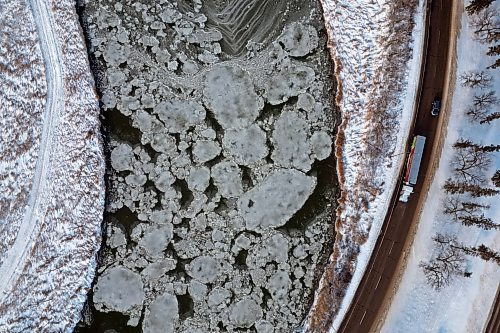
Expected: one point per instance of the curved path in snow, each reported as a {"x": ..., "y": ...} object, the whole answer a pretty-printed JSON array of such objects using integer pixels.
[{"x": 13, "y": 264}]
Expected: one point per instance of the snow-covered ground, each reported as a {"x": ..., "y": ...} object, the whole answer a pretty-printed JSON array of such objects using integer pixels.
[
  {"x": 17, "y": 253},
  {"x": 377, "y": 66},
  {"x": 462, "y": 306},
  {"x": 52, "y": 168},
  {"x": 23, "y": 91}
]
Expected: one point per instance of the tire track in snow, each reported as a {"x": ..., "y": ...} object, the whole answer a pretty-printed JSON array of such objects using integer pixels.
[{"x": 13, "y": 264}]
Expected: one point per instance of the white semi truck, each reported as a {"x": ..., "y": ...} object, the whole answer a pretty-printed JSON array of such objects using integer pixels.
[{"x": 412, "y": 167}]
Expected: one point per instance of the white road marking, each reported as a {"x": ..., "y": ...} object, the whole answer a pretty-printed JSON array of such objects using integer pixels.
[
  {"x": 362, "y": 318},
  {"x": 379, "y": 278}
]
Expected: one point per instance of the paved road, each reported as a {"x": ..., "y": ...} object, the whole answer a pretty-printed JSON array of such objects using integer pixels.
[
  {"x": 493, "y": 323},
  {"x": 388, "y": 249},
  {"x": 17, "y": 254}
]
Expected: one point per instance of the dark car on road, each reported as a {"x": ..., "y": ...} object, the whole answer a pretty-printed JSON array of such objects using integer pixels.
[{"x": 436, "y": 107}]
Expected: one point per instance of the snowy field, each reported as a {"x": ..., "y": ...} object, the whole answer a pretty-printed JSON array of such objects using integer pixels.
[
  {"x": 52, "y": 168},
  {"x": 377, "y": 88},
  {"x": 462, "y": 306},
  {"x": 25, "y": 92}
]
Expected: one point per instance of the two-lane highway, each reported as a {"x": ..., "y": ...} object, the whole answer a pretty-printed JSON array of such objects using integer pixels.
[{"x": 381, "y": 269}]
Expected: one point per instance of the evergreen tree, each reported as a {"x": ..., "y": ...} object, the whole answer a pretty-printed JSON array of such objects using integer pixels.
[
  {"x": 482, "y": 251},
  {"x": 496, "y": 178},
  {"x": 495, "y": 65},
  {"x": 464, "y": 143},
  {"x": 489, "y": 118},
  {"x": 493, "y": 50},
  {"x": 490, "y": 148},
  {"x": 488, "y": 254},
  {"x": 475, "y": 191},
  {"x": 478, "y": 221},
  {"x": 477, "y": 5}
]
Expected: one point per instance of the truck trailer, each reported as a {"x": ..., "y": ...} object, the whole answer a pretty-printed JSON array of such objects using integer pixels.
[{"x": 412, "y": 167}]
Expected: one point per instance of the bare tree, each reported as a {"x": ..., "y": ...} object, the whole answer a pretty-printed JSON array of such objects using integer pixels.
[
  {"x": 477, "y": 113},
  {"x": 448, "y": 263},
  {"x": 481, "y": 105},
  {"x": 476, "y": 79},
  {"x": 468, "y": 213},
  {"x": 486, "y": 100},
  {"x": 449, "y": 260},
  {"x": 453, "y": 206},
  {"x": 470, "y": 161},
  {"x": 486, "y": 25},
  {"x": 477, "y": 5}
]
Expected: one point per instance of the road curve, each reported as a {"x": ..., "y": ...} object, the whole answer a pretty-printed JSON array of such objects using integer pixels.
[
  {"x": 493, "y": 322},
  {"x": 388, "y": 250},
  {"x": 16, "y": 256}
]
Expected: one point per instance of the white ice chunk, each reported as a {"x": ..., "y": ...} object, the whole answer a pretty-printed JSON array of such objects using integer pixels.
[
  {"x": 274, "y": 248},
  {"x": 163, "y": 180},
  {"x": 117, "y": 237},
  {"x": 247, "y": 146},
  {"x": 230, "y": 94},
  {"x": 118, "y": 289},
  {"x": 321, "y": 144},
  {"x": 178, "y": 115},
  {"x": 161, "y": 315},
  {"x": 288, "y": 83},
  {"x": 299, "y": 39},
  {"x": 155, "y": 240},
  {"x": 278, "y": 285},
  {"x": 198, "y": 178},
  {"x": 204, "y": 269},
  {"x": 218, "y": 296},
  {"x": 272, "y": 202},
  {"x": 227, "y": 178},
  {"x": 205, "y": 150},
  {"x": 158, "y": 269},
  {"x": 290, "y": 140},
  {"x": 245, "y": 313},
  {"x": 122, "y": 157},
  {"x": 163, "y": 142}
]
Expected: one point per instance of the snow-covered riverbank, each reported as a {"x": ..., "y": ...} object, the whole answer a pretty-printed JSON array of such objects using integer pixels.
[{"x": 377, "y": 66}]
